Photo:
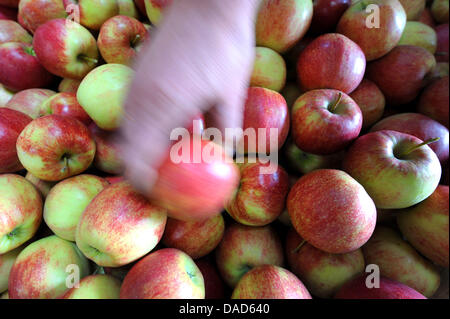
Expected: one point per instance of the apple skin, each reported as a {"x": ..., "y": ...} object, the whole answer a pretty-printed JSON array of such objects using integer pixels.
[
  {"x": 29, "y": 101},
  {"x": 214, "y": 285},
  {"x": 371, "y": 102},
  {"x": 439, "y": 10},
  {"x": 5, "y": 95},
  {"x": 128, "y": 8},
  {"x": 427, "y": 18},
  {"x": 374, "y": 42},
  {"x": 43, "y": 187},
  {"x": 95, "y": 287},
  {"x": 421, "y": 127},
  {"x": 11, "y": 31},
  {"x": 426, "y": 226},
  {"x": 319, "y": 129},
  {"x": 154, "y": 9},
  {"x": 12, "y": 123},
  {"x": 120, "y": 39},
  {"x": 20, "y": 69},
  {"x": 102, "y": 92},
  {"x": 296, "y": 16},
  {"x": 389, "y": 289},
  {"x": 65, "y": 104},
  {"x": 440, "y": 71},
  {"x": 331, "y": 61},
  {"x": 419, "y": 34},
  {"x": 21, "y": 206},
  {"x": 33, "y": 13},
  {"x": 65, "y": 48},
  {"x": 269, "y": 69},
  {"x": 164, "y": 274},
  {"x": 8, "y": 13},
  {"x": 399, "y": 261},
  {"x": 402, "y": 73},
  {"x": 67, "y": 200},
  {"x": 413, "y": 8},
  {"x": 93, "y": 13},
  {"x": 113, "y": 244},
  {"x": 327, "y": 14},
  {"x": 261, "y": 197},
  {"x": 245, "y": 247},
  {"x": 270, "y": 282},
  {"x": 114, "y": 179},
  {"x": 6, "y": 263},
  {"x": 46, "y": 279},
  {"x": 442, "y": 43},
  {"x": 434, "y": 101},
  {"x": 69, "y": 85},
  {"x": 316, "y": 205}
]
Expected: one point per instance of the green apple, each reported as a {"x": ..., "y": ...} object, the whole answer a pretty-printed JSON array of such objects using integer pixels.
[
  {"x": 128, "y": 8},
  {"x": 269, "y": 69},
  {"x": 6, "y": 263},
  {"x": 419, "y": 34},
  {"x": 95, "y": 287},
  {"x": 155, "y": 8},
  {"x": 94, "y": 12},
  {"x": 439, "y": 10},
  {"x": 42, "y": 186}
]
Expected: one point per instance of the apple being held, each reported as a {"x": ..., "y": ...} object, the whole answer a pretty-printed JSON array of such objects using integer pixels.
[
  {"x": 95, "y": 287},
  {"x": 442, "y": 43},
  {"x": 11, "y": 31},
  {"x": 413, "y": 8},
  {"x": 419, "y": 34},
  {"x": 439, "y": 10},
  {"x": 29, "y": 101},
  {"x": 33, "y": 13},
  {"x": 269, "y": 69},
  {"x": 371, "y": 102},
  {"x": 93, "y": 13},
  {"x": 155, "y": 8},
  {"x": 327, "y": 14},
  {"x": 65, "y": 104},
  {"x": 434, "y": 101}
]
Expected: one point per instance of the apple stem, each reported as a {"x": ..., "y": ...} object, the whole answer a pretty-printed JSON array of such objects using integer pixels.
[
  {"x": 299, "y": 246},
  {"x": 336, "y": 104},
  {"x": 137, "y": 38},
  {"x": 88, "y": 59},
  {"x": 429, "y": 141},
  {"x": 66, "y": 163}
]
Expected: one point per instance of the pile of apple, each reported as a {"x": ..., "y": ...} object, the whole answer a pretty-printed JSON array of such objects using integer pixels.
[{"x": 361, "y": 104}]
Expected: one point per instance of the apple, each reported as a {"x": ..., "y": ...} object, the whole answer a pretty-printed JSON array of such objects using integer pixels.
[
  {"x": 65, "y": 104},
  {"x": 245, "y": 247},
  {"x": 102, "y": 92},
  {"x": 413, "y": 8},
  {"x": 440, "y": 71},
  {"x": 154, "y": 9},
  {"x": 140, "y": 5},
  {"x": 402, "y": 73},
  {"x": 296, "y": 16},
  {"x": 43, "y": 187},
  {"x": 427, "y": 18},
  {"x": 426, "y": 227},
  {"x": 439, "y": 10},
  {"x": 95, "y": 287},
  {"x": 29, "y": 101},
  {"x": 67, "y": 200},
  {"x": 33, "y": 13},
  {"x": 6, "y": 263},
  {"x": 164, "y": 274},
  {"x": 421, "y": 127},
  {"x": 214, "y": 285},
  {"x": 55, "y": 147},
  {"x": 128, "y": 8},
  {"x": 434, "y": 101},
  {"x": 65, "y": 48},
  {"x": 399, "y": 261},
  {"x": 93, "y": 13},
  {"x": 114, "y": 179},
  {"x": 323, "y": 273},
  {"x": 419, "y": 34},
  {"x": 5, "y": 95},
  {"x": 50, "y": 258},
  {"x": 10, "y": 3},
  {"x": 69, "y": 85},
  {"x": 327, "y": 14},
  {"x": 30, "y": 74},
  {"x": 331, "y": 61},
  {"x": 261, "y": 196},
  {"x": 120, "y": 39},
  {"x": 270, "y": 282},
  {"x": 12, "y": 123},
  {"x": 442, "y": 43},
  {"x": 109, "y": 243},
  {"x": 324, "y": 121},
  {"x": 371, "y": 102},
  {"x": 290, "y": 93},
  {"x": 269, "y": 69},
  {"x": 374, "y": 42},
  {"x": 8, "y": 13},
  {"x": 389, "y": 289},
  {"x": 11, "y": 31},
  {"x": 197, "y": 239}
]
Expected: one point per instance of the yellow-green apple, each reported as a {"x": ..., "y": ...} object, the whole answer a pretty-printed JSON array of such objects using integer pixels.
[
  {"x": 388, "y": 289},
  {"x": 327, "y": 14},
  {"x": 33, "y": 13},
  {"x": 20, "y": 69},
  {"x": 439, "y": 10},
  {"x": 128, "y": 8},
  {"x": 120, "y": 39},
  {"x": 296, "y": 16},
  {"x": 413, "y": 8},
  {"x": 331, "y": 61},
  {"x": 95, "y": 287},
  {"x": 270, "y": 282},
  {"x": 420, "y": 126},
  {"x": 67, "y": 200},
  {"x": 8, "y": 13},
  {"x": 110, "y": 243},
  {"x": 5, "y": 95},
  {"x": 154, "y": 9},
  {"x": 331, "y": 211},
  {"x": 65, "y": 104},
  {"x": 42, "y": 186},
  {"x": 396, "y": 169},
  {"x": 6, "y": 263},
  {"x": 425, "y": 226},
  {"x": 325, "y": 121},
  {"x": 265, "y": 109},
  {"x": 21, "y": 207},
  {"x": 442, "y": 43},
  {"x": 12, "y": 123},
  {"x": 167, "y": 273},
  {"x": 11, "y": 31},
  {"x": 371, "y": 102},
  {"x": 195, "y": 187},
  {"x": 375, "y": 42},
  {"x": 402, "y": 73},
  {"x": 245, "y": 247},
  {"x": 107, "y": 155},
  {"x": 54, "y": 147},
  {"x": 269, "y": 69},
  {"x": 65, "y": 48},
  {"x": 69, "y": 85},
  {"x": 260, "y": 197},
  {"x": 197, "y": 239},
  {"x": 323, "y": 273},
  {"x": 29, "y": 101},
  {"x": 434, "y": 101},
  {"x": 93, "y": 13},
  {"x": 419, "y": 34},
  {"x": 397, "y": 260},
  {"x": 102, "y": 92},
  {"x": 42, "y": 269},
  {"x": 214, "y": 285},
  {"x": 427, "y": 18}
]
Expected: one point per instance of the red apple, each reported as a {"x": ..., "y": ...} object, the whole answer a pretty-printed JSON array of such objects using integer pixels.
[
  {"x": 11, "y": 31},
  {"x": 10, "y": 3},
  {"x": 29, "y": 101},
  {"x": 114, "y": 179},
  {"x": 33, "y": 13},
  {"x": 434, "y": 101},
  {"x": 442, "y": 43},
  {"x": 65, "y": 104},
  {"x": 427, "y": 18},
  {"x": 370, "y": 100},
  {"x": 214, "y": 285},
  {"x": 413, "y": 8},
  {"x": 327, "y": 14},
  {"x": 8, "y": 13}
]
